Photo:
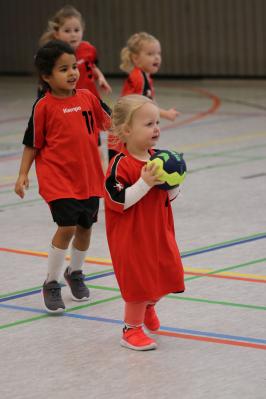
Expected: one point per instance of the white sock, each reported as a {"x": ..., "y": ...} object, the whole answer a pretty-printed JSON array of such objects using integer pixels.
[
  {"x": 56, "y": 259},
  {"x": 77, "y": 259}
]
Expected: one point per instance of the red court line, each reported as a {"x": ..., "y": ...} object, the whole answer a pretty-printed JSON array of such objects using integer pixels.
[
  {"x": 251, "y": 280},
  {"x": 7, "y": 184},
  {"x": 216, "y": 102},
  {"x": 214, "y": 340},
  {"x": 97, "y": 262},
  {"x": 43, "y": 255},
  {"x": 10, "y": 158}
]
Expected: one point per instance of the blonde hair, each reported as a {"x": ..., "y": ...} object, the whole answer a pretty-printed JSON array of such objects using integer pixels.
[
  {"x": 58, "y": 20},
  {"x": 134, "y": 46},
  {"x": 123, "y": 112}
]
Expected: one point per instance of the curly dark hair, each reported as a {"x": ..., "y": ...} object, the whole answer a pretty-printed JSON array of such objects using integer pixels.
[{"x": 47, "y": 56}]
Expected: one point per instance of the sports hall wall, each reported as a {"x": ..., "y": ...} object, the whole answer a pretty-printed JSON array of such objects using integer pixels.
[{"x": 200, "y": 38}]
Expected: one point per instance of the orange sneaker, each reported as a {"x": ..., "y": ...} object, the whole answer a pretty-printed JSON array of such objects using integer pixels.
[
  {"x": 136, "y": 339},
  {"x": 151, "y": 320}
]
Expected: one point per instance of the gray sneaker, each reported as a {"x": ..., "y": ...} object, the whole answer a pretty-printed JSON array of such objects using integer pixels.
[
  {"x": 52, "y": 297},
  {"x": 76, "y": 283}
]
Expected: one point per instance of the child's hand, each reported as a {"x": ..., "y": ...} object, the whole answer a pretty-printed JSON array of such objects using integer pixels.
[
  {"x": 22, "y": 184},
  {"x": 104, "y": 85},
  {"x": 171, "y": 114},
  {"x": 150, "y": 175}
]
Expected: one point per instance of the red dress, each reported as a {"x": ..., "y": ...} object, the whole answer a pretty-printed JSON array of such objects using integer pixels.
[
  {"x": 65, "y": 131},
  {"x": 141, "y": 239},
  {"x": 86, "y": 59}
]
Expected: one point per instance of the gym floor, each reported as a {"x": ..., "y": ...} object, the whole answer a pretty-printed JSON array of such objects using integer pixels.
[{"x": 212, "y": 339}]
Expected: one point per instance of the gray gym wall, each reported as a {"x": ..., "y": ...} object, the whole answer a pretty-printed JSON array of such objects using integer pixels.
[{"x": 201, "y": 38}]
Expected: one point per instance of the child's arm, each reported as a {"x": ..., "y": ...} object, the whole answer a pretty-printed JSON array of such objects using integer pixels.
[
  {"x": 22, "y": 182},
  {"x": 169, "y": 114},
  {"x": 148, "y": 179},
  {"x": 102, "y": 81}
]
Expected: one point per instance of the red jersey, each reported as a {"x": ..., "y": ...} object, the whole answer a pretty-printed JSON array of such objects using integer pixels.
[
  {"x": 65, "y": 131},
  {"x": 141, "y": 239},
  {"x": 86, "y": 56},
  {"x": 138, "y": 82}
]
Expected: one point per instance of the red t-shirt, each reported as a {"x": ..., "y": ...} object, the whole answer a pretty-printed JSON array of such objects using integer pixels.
[
  {"x": 65, "y": 131},
  {"x": 138, "y": 82},
  {"x": 141, "y": 239},
  {"x": 86, "y": 56}
]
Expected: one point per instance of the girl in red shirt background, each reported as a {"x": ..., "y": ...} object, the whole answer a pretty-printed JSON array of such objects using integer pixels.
[
  {"x": 62, "y": 139},
  {"x": 141, "y": 58},
  {"x": 68, "y": 25},
  {"x": 139, "y": 221}
]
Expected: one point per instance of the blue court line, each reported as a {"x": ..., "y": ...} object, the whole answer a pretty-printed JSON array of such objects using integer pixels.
[
  {"x": 222, "y": 246},
  {"x": 163, "y": 328},
  {"x": 183, "y": 255},
  {"x": 9, "y": 298}
]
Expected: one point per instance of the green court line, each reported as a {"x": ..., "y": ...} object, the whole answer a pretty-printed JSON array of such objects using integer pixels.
[
  {"x": 239, "y": 305},
  {"x": 189, "y": 252},
  {"x": 224, "y": 165},
  {"x": 236, "y": 240},
  {"x": 226, "y": 269},
  {"x": 40, "y": 286},
  {"x": 184, "y": 298},
  {"x": 43, "y": 316}
]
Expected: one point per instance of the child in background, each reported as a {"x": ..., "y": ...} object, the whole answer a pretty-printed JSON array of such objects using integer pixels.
[
  {"x": 68, "y": 25},
  {"x": 61, "y": 138},
  {"x": 141, "y": 58},
  {"x": 139, "y": 221}
]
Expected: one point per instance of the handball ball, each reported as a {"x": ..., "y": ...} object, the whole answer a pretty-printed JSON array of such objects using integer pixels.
[{"x": 172, "y": 166}]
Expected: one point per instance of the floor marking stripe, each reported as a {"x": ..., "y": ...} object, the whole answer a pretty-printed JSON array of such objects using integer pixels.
[
  {"x": 181, "y": 297},
  {"x": 251, "y": 280},
  {"x": 184, "y": 254},
  {"x": 197, "y": 335},
  {"x": 46, "y": 314},
  {"x": 213, "y": 340},
  {"x": 227, "y": 268},
  {"x": 216, "y": 103}
]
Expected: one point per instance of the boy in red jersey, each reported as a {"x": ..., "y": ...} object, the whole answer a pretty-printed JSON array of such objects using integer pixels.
[
  {"x": 139, "y": 222},
  {"x": 61, "y": 138}
]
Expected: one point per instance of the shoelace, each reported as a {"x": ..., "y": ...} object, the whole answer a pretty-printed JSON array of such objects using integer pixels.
[
  {"x": 55, "y": 292},
  {"x": 79, "y": 277}
]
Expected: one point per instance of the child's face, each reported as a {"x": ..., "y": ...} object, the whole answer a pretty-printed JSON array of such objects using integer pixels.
[
  {"x": 71, "y": 32},
  {"x": 149, "y": 57},
  {"x": 64, "y": 76},
  {"x": 144, "y": 131}
]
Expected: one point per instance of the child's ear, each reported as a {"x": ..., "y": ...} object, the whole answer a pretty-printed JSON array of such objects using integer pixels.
[
  {"x": 126, "y": 130},
  {"x": 45, "y": 78},
  {"x": 135, "y": 58}
]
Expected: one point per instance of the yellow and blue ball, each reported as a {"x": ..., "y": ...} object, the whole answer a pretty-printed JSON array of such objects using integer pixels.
[{"x": 171, "y": 166}]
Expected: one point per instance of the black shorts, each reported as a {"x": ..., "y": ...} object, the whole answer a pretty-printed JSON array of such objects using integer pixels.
[{"x": 72, "y": 212}]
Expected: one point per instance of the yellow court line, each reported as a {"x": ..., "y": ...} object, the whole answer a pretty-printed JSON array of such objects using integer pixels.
[
  {"x": 106, "y": 261},
  {"x": 231, "y": 139},
  {"x": 256, "y": 276}
]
